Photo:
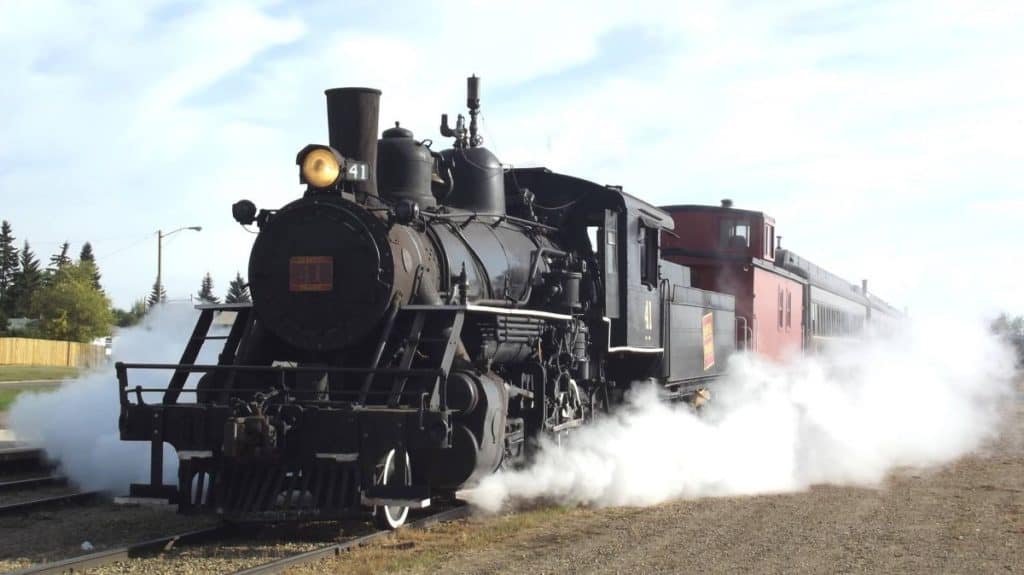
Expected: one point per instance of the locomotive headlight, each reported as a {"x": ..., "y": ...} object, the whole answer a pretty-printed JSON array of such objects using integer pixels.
[{"x": 321, "y": 166}]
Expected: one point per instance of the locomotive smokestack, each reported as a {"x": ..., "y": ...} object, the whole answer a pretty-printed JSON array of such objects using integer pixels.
[{"x": 352, "y": 115}]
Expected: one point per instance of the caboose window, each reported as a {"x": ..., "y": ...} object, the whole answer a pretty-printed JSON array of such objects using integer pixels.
[
  {"x": 735, "y": 234},
  {"x": 789, "y": 309},
  {"x": 780, "y": 308}
]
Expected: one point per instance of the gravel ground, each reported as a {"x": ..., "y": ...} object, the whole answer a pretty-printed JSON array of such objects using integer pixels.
[
  {"x": 967, "y": 517},
  {"x": 28, "y": 494},
  {"x": 252, "y": 546},
  {"x": 58, "y": 533}
]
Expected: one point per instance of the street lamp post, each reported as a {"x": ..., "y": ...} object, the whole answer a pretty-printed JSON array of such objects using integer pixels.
[{"x": 160, "y": 235}]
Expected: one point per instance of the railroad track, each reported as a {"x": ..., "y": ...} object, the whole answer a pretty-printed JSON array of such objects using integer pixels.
[
  {"x": 20, "y": 457},
  {"x": 32, "y": 482},
  {"x": 48, "y": 501},
  {"x": 24, "y": 460},
  {"x": 20, "y": 460},
  {"x": 98, "y": 559},
  {"x": 335, "y": 549},
  {"x": 219, "y": 533}
]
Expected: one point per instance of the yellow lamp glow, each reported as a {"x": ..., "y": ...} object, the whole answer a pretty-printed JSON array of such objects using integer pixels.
[{"x": 320, "y": 168}]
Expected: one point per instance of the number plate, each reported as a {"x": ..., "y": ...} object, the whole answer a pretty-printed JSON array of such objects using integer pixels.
[
  {"x": 356, "y": 171},
  {"x": 311, "y": 273}
]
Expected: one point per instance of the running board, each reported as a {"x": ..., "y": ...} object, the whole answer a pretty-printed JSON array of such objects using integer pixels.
[{"x": 413, "y": 497}]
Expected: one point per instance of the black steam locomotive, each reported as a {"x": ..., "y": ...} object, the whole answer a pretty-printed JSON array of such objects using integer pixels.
[{"x": 419, "y": 318}]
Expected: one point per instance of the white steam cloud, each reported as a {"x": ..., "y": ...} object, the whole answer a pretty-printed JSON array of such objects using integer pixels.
[
  {"x": 920, "y": 398},
  {"x": 77, "y": 423}
]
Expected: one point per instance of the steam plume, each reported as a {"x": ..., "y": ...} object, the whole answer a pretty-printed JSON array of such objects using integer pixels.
[
  {"x": 919, "y": 398},
  {"x": 77, "y": 423}
]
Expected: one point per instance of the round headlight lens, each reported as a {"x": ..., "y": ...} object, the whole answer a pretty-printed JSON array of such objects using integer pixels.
[{"x": 320, "y": 168}]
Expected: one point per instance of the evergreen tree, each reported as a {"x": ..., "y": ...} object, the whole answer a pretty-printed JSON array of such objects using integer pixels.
[
  {"x": 57, "y": 261},
  {"x": 87, "y": 257},
  {"x": 86, "y": 253},
  {"x": 157, "y": 295},
  {"x": 238, "y": 290},
  {"x": 206, "y": 290},
  {"x": 27, "y": 282},
  {"x": 8, "y": 269},
  {"x": 60, "y": 259}
]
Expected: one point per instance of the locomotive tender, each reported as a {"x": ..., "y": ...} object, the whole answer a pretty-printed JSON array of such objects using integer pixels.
[{"x": 419, "y": 319}]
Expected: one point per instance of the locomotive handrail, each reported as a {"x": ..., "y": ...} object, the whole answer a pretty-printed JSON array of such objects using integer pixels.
[
  {"x": 503, "y": 217},
  {"x": 122, "y": 376},
  {"x": 204, "y": 368},
  {"x": 254, "y": 390}
]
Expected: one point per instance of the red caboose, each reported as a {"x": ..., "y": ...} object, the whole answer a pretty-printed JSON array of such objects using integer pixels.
[{"x": 733, "y": 251}]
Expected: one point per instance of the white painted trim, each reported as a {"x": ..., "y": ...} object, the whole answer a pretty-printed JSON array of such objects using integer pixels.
[
  {"x": 627, "y": 348},
  {"x": 340, "y": 457},
  {"x": 404, "y": 503},
  {"x": 515, "y": 311},
  {"x": 146, "y": 501}
]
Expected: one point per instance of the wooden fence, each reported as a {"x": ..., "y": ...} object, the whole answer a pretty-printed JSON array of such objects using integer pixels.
[{"x": 25, "y": 351}]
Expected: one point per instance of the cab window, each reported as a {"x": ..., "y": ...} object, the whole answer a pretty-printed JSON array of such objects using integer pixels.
[{"x": 648, "y": 256}]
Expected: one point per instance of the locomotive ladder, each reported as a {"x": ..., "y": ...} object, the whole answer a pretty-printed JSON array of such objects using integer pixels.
[
  {"x": 200, "y": 335},
  {"x": 429, "y": 344}
]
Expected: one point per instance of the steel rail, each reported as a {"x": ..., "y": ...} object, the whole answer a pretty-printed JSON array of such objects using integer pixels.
[
  {"x": 33, "y": 504},
  {"x": 336, "y": 549},
  {"x": 11, "y": 455},
  {"x": 27, "y": 482},
  {"x": 100, "y": 558}
]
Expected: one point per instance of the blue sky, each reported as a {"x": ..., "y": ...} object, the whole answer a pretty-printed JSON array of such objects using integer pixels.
[{"x": 885, "y": 138}]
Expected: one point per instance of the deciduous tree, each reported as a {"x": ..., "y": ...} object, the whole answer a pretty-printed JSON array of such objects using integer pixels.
[
  {"x": 70, "y": 307},
  {"x": 130, "y": 317}
]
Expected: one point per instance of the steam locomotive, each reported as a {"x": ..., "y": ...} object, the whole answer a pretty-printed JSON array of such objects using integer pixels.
[{"x": 419, "y": 319}]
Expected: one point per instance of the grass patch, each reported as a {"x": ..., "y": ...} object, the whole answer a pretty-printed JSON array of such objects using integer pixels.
[
  {"x": 7, "y": 397},
  {"x": 33, "y": 372}
]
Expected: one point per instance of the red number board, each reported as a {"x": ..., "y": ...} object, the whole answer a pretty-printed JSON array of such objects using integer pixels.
[{"x": 311, "y": 273}]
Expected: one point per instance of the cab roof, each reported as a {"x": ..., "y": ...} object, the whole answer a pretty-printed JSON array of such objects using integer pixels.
[{"x": 554, "y": 191}]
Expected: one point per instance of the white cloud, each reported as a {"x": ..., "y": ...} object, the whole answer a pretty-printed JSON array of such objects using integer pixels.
[{"x": 867, "y": 130}]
